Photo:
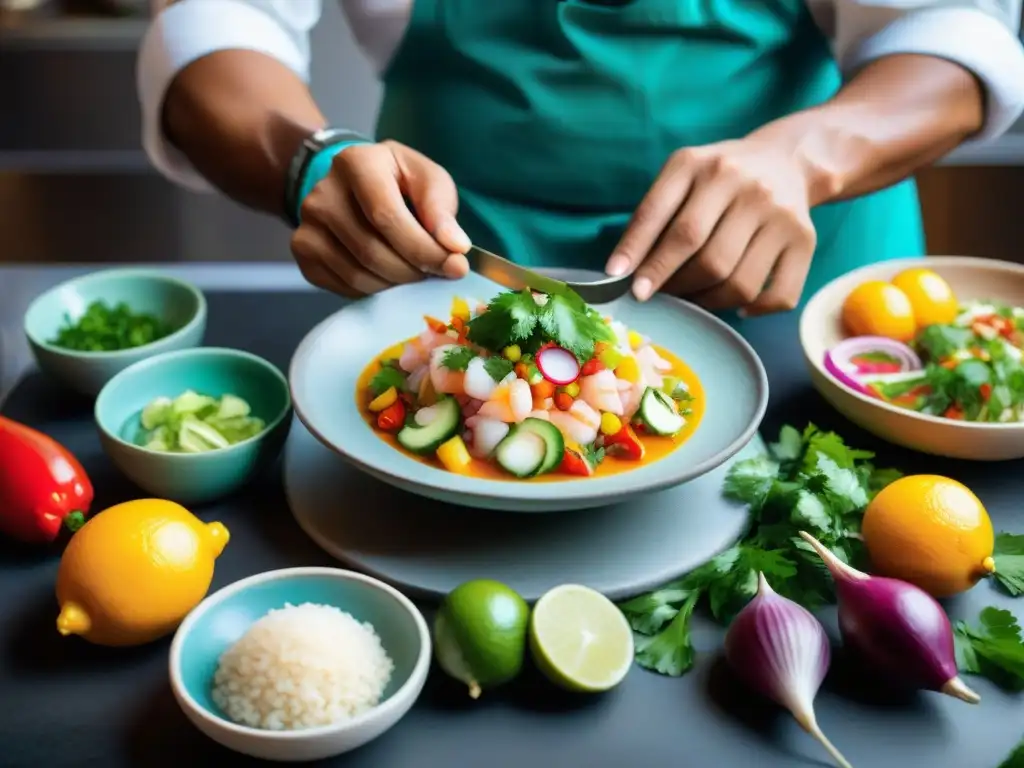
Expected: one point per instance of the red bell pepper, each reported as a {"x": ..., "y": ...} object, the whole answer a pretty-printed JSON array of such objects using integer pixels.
[
  {"x": 624, "y": 444},
  {"x": 42, "y": 486},
  {"x": 574, "y": 463}
]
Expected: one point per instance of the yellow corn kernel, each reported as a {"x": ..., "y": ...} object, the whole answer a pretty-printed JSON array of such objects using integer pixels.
[
  {"x": 610, "y": 424},
  {"x": 512, "y": 353},
  {"x": 384, "y": 400},
  {"x": 628, "y": 370},
  {"x": 635, "y": 340},
  {"x": 454, "y": 455},
  {"x": 572, "y": 390},
  {"x": 460, "y": 309}
]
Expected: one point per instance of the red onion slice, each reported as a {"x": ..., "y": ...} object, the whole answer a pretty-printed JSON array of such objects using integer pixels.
[{"x": 842, "y": 364}]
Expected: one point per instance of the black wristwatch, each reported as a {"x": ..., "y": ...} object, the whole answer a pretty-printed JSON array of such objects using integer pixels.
[{"x": 311, "y": 145}]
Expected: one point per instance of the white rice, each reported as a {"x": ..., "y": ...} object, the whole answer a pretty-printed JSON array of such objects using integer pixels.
[{"x": 302, "y": 666}]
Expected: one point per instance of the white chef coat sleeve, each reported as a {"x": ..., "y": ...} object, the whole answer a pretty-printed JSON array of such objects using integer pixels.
[
  {"x": 183, "y": 31},
  {"x": 980, "y": 35}
]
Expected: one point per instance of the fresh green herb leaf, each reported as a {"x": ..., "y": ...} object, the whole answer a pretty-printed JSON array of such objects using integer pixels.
[
  {"x": 940, "y": 341},
  {"x": 106, "y": 328},
  {"x": 1009, "y": 557},
  {"x": 670, "y": 652},
  {"x": 518, "y": 318},
  {"x": 510, "y": 318},
  {"x": 993, "y": 648},
  {"x": 810, "y": 481},
  {"x": 457, "y": 358},
  {"x": 498, "y": 367},
  {"x": 389, "y": 375}
]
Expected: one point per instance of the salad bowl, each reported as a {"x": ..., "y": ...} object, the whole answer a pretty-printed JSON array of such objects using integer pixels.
[
  {"x": 326, "y": 371},
  {"x": 973, "y": 281}
]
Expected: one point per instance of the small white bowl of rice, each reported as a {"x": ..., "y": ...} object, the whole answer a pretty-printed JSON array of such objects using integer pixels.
[{"x": 300, "y": 664}]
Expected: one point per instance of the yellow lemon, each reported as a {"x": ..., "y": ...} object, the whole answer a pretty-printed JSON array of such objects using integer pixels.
[
  {"x": 930, "y": 531},
  {"x": 133, "y": 572}
]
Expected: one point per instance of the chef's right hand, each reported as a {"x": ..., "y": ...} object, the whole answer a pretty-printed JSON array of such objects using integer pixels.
[{"x": 358, "y": 234}]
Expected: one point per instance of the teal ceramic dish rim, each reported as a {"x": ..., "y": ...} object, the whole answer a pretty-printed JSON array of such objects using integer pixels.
[
  {"x": 805, "y": 332},
  {"x": 146, "y": 274},
  {"x": 200, "y": 352},
  {"x": 395, "y": 701},
  {"x": 594, "y": 490}
]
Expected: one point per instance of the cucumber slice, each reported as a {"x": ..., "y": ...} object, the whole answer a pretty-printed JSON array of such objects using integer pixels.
[
  {"x": 428, "y": 438},
  {"x": 533, "y": 447},
  {"x": 658, "y": 413}
]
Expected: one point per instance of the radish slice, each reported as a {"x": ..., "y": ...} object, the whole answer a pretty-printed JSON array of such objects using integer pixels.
[
  {"x": 851, "y": 360},
  {"x": 558, "y": 365}
]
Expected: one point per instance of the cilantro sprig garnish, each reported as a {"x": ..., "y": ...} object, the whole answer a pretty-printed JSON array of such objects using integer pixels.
[
  {"x": 809, "y": 481},
  {"x": 993, "y": 648},
  {"x": 516, "y": 317},
  {"x": 457, "y": 358}
]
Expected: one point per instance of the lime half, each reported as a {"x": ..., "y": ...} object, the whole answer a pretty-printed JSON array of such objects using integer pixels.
[{"x": 580, "y": 640}]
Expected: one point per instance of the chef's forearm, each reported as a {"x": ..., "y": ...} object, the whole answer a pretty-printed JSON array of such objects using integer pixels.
[
  {"x": 898, "y": 114},
  {"x": 239, "y": 116}
]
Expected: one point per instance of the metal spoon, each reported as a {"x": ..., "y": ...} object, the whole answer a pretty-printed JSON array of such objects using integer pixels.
[{"x": 516, "y": 278}]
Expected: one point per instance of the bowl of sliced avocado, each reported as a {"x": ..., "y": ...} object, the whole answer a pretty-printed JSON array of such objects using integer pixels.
[{"x": 194, "y": 425}]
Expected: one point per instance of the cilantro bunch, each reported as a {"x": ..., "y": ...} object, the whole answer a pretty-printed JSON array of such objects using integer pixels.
[
  {"x": 516, "y": 317},
  {"x": 810, "y": 481}
]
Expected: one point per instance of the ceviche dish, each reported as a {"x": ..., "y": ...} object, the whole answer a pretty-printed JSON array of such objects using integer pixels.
[
  {"x": 530, "y": 386},
  {"x": 914, "y": 345}
]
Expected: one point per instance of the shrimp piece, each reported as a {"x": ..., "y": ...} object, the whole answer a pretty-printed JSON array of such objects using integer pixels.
[
  {"x": 652, "y": 366},
  {"x": 479, "y": 383},
  {"x": 630, "y": 394},
  {"x": 600, "y": 391},
  {"x": 417, "y": 350},
  {"x": 499, "y": 406},
  {"x": 470, "y": 408},
  {"x": 520, "y": 399},
  {"x": 542, "y": 415},
  {"x": 487, "y": 433},
  {"x": 445, "y": 381},
  {"x": 579, "y": 424}
]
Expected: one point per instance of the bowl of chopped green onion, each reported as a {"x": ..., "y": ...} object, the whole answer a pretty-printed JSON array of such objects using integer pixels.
[
  {"x": 196, "y": 424},
  {"x": 88, "y": 329}
]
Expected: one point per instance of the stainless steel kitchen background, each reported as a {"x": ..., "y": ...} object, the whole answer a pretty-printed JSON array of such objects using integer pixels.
[{"x": 76, "y": 187}]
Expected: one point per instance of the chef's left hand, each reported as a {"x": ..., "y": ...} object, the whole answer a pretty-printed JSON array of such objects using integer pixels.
[{"x": 726, "y": 225}]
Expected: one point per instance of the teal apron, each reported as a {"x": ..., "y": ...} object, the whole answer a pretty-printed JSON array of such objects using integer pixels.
[{"x": 554, "y": 116}]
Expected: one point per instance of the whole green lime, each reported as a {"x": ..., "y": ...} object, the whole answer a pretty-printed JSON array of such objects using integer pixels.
[{"x": 480, "y": 634}]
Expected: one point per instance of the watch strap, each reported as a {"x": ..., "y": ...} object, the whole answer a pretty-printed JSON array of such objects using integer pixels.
[{"x": 311, "y": 163}]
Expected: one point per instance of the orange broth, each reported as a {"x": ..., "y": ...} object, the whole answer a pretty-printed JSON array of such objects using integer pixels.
[{"x": 655, "y": 447}]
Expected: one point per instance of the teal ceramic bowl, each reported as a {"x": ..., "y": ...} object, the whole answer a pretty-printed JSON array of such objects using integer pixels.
[
  {"x": 176, "y": 302},
  {"x": 222, "y": 618},
  {"x": 193, "y": 478},
  {"x": 325, "y": 370}
]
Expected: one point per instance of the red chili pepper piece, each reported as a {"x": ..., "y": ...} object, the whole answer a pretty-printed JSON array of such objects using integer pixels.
[
  {"x": 954, "y": 412},
  {"x": 563, "y": 401},
  {"x": 392, "y": 418},
  {"x": 986, "y": 391},
  {"x": 624, "y": 444},
  {"x": 573, "y": 463},
  {"x": 592, "y": 366},
  {"x": 42, "y": 485}
]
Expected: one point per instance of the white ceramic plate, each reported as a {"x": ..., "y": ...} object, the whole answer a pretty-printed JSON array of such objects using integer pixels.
[{"x": 328, "y": 362}]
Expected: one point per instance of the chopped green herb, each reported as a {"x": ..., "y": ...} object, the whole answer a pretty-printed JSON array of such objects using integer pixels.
[
  {"x": 498, "y": 367},
  {"x": 810, "y": 481},
  {"x": 993, "y": 648},
  {"x": 389, "y": 375},
  {"x": 1009, "y": 557},
  {"x": 593, "y": 454},
  {"x": 940, "y": 341},
  {"x": 457, "y": 358},
  {"x": 105, "y": 328}
]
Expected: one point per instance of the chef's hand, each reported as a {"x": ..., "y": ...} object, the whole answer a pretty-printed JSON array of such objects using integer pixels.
[
  {"x": 358, "y": 234},
  {"x": 726, "y": 225}
]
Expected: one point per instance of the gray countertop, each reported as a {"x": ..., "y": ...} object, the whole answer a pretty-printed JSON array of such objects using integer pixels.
[{"x": 72, "y": 705}]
